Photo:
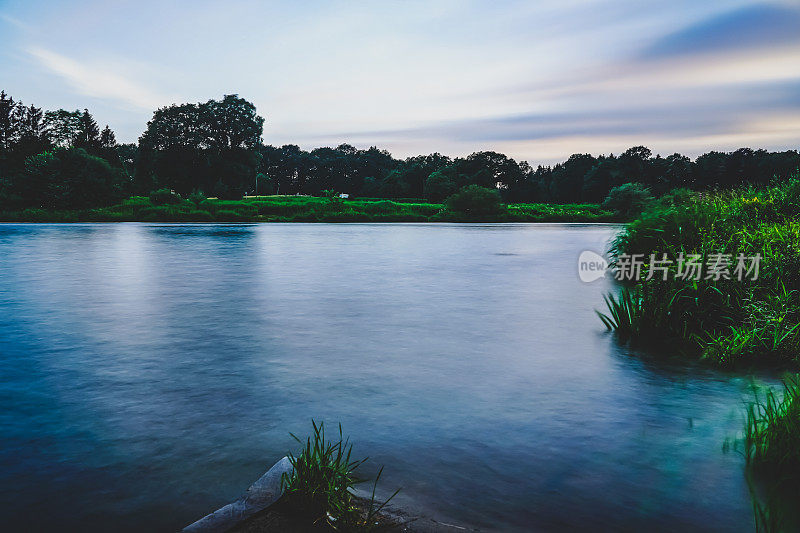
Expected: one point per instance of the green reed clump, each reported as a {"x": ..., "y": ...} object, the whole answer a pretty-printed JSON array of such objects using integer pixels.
[
  {"x": 322, "y": 481},
  {"x": 624, "y": 313},
  {"x": 772, "y": 455},
  {"x": 772, "y": 431},
  {"x": 726, "y": 321}
]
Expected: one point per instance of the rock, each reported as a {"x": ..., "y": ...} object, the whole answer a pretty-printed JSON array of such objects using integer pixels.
[{"x": 261, "y": 494}]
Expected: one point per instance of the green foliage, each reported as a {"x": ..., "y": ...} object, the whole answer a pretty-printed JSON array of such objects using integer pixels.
[
  {"x": 165, "y": 197},
  {"x": 728, "y": 321},
  {"x": 197, "y": 198},
  {"x": 772, "y": 431},
  {"x": 67, "y": 178},
  {"x": 560, "y": 213},
  {"x": 441, "y": 184},
  {"x": 321, "y": 483},
  {"x": 216, "y": 146},
  {"x": 624, "y": 313},
  {"x": 628, "y": 200},
  {"x": 474, "y": 201},
  {"x": 772, "y": 455},
  {"x": 229, "y": 215},
  {"x": 315, "y": 209}
]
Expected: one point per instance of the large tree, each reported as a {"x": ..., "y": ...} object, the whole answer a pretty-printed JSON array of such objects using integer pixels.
[
  {"x": 62, "y": 127},
  {"x": 196, "y": 146}
]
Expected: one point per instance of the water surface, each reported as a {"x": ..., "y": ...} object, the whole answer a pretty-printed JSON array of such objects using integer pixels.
[{"x": 151, "y": 372}]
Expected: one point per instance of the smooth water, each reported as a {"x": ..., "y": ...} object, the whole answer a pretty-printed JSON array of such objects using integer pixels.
[{"x": 149, "y": 373}]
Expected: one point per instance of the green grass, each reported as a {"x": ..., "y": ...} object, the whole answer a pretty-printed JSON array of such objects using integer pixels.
[
  {"x": 624, "y": 313},
  {"x": 306, "y": 209},
  {"x": 320, "y": 486},
  {"x": 727, "y": 321},
  {"x": 772, "y": 431},
  {"x": 772, "y": 454}
]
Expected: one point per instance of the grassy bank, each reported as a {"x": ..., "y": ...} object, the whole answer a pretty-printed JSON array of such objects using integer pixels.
[
  {"x": 728, "y": 321},
  {"x": 307, "y": 209}
]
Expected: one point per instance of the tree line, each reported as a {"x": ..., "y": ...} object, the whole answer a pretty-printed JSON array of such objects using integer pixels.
[{"x": 62, "y": 159}]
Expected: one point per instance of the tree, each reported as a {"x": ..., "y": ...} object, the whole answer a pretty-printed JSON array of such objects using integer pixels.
[
  {"x": 193, "y": 146},
  {"x": 230, "y": 123},
  {"x": 475, "y": 201},
  {"x": 7, "y": 123},
  {"x": 628, "y": 200},
  {"x": 88, "y": 133},
  {"x": 107, "y": 138},
  {"x": 67, "y": 178},
  {"x": 62, "y": 127},
  {"x": 442, "y": 183}
]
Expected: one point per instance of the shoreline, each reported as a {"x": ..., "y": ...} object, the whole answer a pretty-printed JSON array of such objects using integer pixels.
[{"x": 260, "y": 510}]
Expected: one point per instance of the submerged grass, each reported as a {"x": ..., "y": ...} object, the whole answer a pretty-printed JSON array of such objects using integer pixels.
[
  {"x": 772, "y": 455},
  {"x": 322, "y": 481},
  {"x": 772, "y": 431}
]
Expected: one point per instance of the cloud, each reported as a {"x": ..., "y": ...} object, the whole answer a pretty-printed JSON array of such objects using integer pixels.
[
  {"x": 669, "y": 120},
  {"x": 758, "y": 26},
  {"x": 14, "y": 22},
  {"x": 97, "y": 81}
]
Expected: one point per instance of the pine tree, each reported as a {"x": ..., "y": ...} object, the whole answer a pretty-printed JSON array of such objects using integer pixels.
[
  {"x": 7, "y": 122},
  {"x": 107, "y": 138},
  {"x": 88, "y": 131},
  {"x": 30, "y": 125}
]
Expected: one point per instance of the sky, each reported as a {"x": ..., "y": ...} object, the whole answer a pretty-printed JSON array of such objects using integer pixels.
[{"x": 536, "y": 80}]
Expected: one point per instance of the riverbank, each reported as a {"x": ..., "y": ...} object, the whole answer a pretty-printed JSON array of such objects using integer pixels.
[
  {"x": 278, "y": 519},
  {"x": 267, "y": 507},
  {"x": 717, "y": 274},
  {"x": 306, "y": 209}
]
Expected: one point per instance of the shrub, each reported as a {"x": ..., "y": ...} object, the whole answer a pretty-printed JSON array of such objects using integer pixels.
[
  {"x": 227, "y": 215},
  {"x": 165, "y": 197},
  {"x": 381, "y": 208},
  {"x": 197, "y": 198},
  {"x": 66, "y": 178},
  {"x": 322, "y": 479},
  {"x": 475, "y": 201},
  {"x": 160, "y": 213},
  {"x": 628, "y": 200}
]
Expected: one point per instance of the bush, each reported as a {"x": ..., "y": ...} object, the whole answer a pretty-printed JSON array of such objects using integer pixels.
[
  {"x": 228, "y": 215},
  {"x": 225, "y": 192},
  {"x": 66, "y": 178},
  {"x": 381, "y": 208},
  {"x": 197, "y": 198},
  {"x": 322, "y": 480},
  {"x": 628, "y": 200},
  {"x": 165, "y": 197},
  {"x": 156, "y": 214},
  {"x": 475, "y": 201}
]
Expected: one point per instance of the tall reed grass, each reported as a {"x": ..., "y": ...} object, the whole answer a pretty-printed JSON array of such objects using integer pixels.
[
  {"x": 727, "y": 321},
  {"x": 322, "y": 482}
]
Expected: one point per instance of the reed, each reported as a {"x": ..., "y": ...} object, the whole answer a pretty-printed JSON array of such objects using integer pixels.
[{"x": 322, "y": 481}]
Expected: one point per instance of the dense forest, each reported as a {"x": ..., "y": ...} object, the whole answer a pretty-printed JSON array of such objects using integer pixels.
[{"x": 63, "y": 160}]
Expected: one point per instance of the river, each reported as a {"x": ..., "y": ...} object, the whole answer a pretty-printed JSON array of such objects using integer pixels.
[{"x": 151, "y": 372}]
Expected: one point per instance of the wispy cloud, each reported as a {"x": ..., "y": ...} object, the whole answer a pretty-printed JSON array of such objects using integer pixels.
[
  {"x": 751, "y": 27},
  {"x": 98, "y": 81},
  {"x": 538, "y": 79}
]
